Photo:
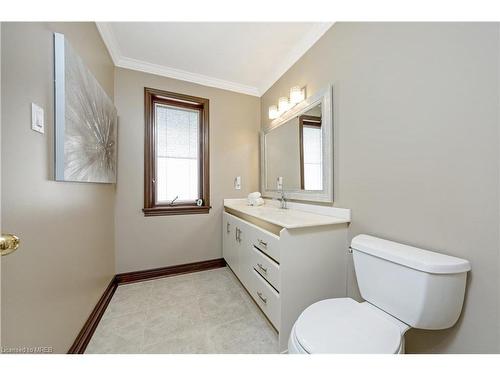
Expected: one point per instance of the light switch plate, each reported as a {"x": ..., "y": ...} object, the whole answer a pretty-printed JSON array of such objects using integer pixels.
[
  {"x": 37, "y": 120},
  {"x": 237, "y": 183}
]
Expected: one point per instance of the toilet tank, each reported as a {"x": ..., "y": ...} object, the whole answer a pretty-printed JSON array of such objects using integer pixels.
[{"x": 422, "y": 288}]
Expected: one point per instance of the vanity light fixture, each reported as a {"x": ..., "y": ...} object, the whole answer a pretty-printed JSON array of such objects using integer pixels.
[
  {"x": 297, "y": 94},
  {"x": 283, "y": 105},
  {"x": 273, "y": 112}
]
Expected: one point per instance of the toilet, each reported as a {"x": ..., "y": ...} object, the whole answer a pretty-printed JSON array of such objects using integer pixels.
[{"x": 403, "y": 287}]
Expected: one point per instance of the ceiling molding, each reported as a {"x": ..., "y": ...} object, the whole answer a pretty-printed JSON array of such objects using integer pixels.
[
  {"x": 143, "y": 66},
  {"x": 165, "y": 71},
  {"x": 296, "y": 53},
  {"x": 109, "y": 40}
]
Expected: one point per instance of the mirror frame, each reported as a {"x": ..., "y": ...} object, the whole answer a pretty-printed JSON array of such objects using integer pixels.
[{"x": 325, "y": 98}]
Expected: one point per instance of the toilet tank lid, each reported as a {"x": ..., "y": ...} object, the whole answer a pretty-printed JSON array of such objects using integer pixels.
[{"x": 409, "y": 256}]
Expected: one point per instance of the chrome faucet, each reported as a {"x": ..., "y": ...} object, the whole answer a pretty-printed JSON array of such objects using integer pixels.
[{"x": 283, "y": 198}]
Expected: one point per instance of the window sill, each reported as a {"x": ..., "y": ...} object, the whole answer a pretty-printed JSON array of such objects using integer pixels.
[{"x": 175, "y": 210}]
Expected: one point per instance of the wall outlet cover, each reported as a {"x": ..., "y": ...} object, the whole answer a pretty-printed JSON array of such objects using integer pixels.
[
  {"x": 237, "y": 183},
  {"x": 279, "y": 183},
  {"x": 37, "y": 120}
]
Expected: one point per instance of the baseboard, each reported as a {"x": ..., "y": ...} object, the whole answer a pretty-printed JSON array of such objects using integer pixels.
[
  {"x": 83, "y": 338},
  {"x": 136, "y": 276}
]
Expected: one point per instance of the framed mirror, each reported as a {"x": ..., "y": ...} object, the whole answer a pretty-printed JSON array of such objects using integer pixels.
[{"x": 297, "y": 152}]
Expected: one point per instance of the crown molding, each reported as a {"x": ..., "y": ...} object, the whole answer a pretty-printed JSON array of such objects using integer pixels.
[
  {"x": 295, "y": 54},
  {"x": 109, "y": 40},
  {"x": 165, "y": 71}
]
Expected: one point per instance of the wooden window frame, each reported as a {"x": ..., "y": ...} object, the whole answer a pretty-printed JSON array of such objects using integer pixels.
[
  {"x": 305, "y": 120},
  {"x": 151, "y": 206}
]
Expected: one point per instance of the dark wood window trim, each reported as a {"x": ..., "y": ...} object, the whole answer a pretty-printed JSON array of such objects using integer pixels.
[
  {"x": 151, "y": 207},
  {"x": 305, "y": 120}
]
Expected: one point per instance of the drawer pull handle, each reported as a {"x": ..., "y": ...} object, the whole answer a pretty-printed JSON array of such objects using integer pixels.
[
  {"x": 262, "y": 298},
  {"x": 262, "y": 243},
  {"x": 227, "y": 228},
  {"x": 262, "y": 268}
]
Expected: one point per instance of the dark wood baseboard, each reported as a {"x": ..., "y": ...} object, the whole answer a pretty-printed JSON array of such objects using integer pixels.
[
  {"x": 136, "y": 276},
  {"x": 83, "y": 338}
]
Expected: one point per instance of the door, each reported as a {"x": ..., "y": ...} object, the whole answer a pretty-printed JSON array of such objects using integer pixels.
[
  {"x": 0, "y": 181},
  {"x": 242, "y": 250},
  {"x": 8, "y": 242},
  {"x": 229, "y": 241},
  {"x": 244, "y": 247},
  {"x": 226, "y": 238},
  {"x": 66, "y": 258}
]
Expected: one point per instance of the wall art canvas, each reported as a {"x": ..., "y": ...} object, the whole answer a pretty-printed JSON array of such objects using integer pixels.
[{"x": 85, "y": 121}]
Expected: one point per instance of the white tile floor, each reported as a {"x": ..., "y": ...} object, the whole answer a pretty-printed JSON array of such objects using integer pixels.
[{"x": 202, "y": 312}]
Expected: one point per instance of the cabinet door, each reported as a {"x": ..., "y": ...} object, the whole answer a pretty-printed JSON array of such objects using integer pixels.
[
  {"x": 243, "y": 250},
  {"x": 229, "y": 241},
  {"x": 244, "y": 253}
]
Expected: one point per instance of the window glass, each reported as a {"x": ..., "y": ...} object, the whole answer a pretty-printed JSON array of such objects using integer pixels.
[
  {"x": 313, "y": 179},
  {"x": 177, "y": 154}
]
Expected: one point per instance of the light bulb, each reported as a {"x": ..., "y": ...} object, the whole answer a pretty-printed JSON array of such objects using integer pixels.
[
  {"x": 273, "y": 112},
  {"x": 283, "y": 104},
  {"x": 297, "y": 94}
]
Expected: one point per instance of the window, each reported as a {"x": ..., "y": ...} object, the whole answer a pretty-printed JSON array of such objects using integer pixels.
[
  {"x": 176, "y": 179},
  {"x": 311, "y": 174}
]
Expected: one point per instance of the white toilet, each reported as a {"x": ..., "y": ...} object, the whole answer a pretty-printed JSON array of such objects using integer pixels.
[{"x": 403, "y": 286}]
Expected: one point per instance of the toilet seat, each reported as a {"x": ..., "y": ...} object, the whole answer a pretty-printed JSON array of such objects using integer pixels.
[{"x": 343, "y": 325}]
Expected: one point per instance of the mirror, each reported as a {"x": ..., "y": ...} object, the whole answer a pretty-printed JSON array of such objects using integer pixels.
[
  {"x": 297, "y": 152},
  {"x": 293, "y": 153}
]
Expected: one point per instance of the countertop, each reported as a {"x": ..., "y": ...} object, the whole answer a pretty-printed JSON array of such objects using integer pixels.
[{"x": 289, "y": 218}]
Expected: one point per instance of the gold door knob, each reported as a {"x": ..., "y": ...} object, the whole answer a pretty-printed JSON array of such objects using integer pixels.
[{"x": 8, "y": 244}]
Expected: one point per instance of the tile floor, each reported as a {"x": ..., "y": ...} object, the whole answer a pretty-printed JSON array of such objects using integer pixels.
[{"x": 202, "y": 312}]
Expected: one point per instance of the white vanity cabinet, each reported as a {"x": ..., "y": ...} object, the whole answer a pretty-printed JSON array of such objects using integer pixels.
[{"x": 286, "y": 259}]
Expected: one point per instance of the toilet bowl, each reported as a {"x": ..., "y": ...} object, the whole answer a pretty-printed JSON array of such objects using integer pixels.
[{"x": 404, "y": 287}]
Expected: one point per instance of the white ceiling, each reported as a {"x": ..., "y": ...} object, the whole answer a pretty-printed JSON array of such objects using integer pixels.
[{"x": 241, "y": 57}]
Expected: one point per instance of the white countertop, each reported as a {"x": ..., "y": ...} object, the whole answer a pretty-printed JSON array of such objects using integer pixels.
[{"x": 289, "y": 218}]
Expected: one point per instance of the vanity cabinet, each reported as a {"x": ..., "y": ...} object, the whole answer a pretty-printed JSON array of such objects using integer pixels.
[{"x": 285, "y": 269}]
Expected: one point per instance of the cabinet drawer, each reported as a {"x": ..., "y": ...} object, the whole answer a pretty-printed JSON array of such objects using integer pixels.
[
  {"x": 266, "y": 267},
  {"x": 267, "y": 299},
  {"x": 266, "y": 242}
]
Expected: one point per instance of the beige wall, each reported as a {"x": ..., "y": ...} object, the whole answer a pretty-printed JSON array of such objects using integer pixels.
[
  {"x": 149, "y": 242},
  {"x": 416, "y": 117},
  {"x": 66, "y": 258}
]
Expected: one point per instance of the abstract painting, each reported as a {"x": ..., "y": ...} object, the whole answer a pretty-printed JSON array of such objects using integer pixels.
[{"x": 85, "y": 121}]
